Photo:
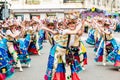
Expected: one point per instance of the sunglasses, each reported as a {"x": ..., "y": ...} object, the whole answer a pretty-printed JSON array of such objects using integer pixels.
[
  {"x": 60, "y": 24},
  {"x": 71, "y": 23},
  {"x": 106, "y": 25}
]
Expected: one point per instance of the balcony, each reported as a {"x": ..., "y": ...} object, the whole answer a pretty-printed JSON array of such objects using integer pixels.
[
  {"x": 73, "y": 1},
  {"x": 32, "y": 2}
]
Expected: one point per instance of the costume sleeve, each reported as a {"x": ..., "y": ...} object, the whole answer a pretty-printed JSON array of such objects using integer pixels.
[
  {"x": 64, "y": 31},
  {"x": 8, "y": 32}
]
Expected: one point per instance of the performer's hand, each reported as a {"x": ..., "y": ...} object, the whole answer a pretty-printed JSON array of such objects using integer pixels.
[{"x": 83, "y": 21}]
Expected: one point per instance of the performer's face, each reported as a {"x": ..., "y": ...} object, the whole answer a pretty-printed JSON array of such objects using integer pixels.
[
  {"x": 27, "y": 25},
  {"x": 51, "y": 26},
  {"x": 13, "y": 27},
  {"x": 60, "y": 26},
  {"x": 106, "y": 26},
  {"x": 35, "y": 25},
  {"x": 72, "y": 25}
]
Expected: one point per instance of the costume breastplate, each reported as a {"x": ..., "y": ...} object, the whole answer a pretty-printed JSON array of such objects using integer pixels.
[
  {"x": 50, "y": 38},
  {"x": 61, "y": 39},
  {"x": 9, "y": 38},
  {"x": 109, "y": 36},
  {"x": 76, "y": 41}
]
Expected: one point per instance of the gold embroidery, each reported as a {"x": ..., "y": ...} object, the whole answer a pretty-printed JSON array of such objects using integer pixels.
[
  {"x": 1, "y": 58},
  {"x": 67, "y": 51},
  {"x": 119, "y": 52},
  {"x": 56, "y": 51},
  {"x": 27, "y": 56},
  {"x": 3, "y": 70},
  {"x": 0, "y": 63},
  {"x": 59, "y": 59}
]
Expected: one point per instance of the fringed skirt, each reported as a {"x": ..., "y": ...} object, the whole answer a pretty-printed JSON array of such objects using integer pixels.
[
  {"x": 97, "y": 44},
  {"x": 41, "y": 34},
  {"x": 22, "y": 52},
  {"x": 100, "y": 52},
  {"x": 6, "y": 69},
  {"x": 83, "y": 53},
  {"x": 32, "y": 49},
  {"x": 114, "y": 56},
  {"x": 117, "y": 28},
  {"x": 58, "y": 68},
  {"x": 91, "y": 40}
]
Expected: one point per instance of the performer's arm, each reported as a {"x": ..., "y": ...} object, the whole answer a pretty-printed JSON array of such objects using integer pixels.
[
  {"x": 11, "y": 34},
  {"x": 77, "y": 30},
  {"x": 2, "y": 36},
  {"x": 49, "y": 30}
]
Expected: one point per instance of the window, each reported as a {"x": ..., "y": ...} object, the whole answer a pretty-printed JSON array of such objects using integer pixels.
[
  {"x": 14, "y": 0},
  {"x": 47, "y": 0},
  {"x": 93, "y": 2},
  {"x": 113, "y": 5},
  {"x": 19, "y": 17},
  {"x": 98, "y": 2},
  {"x": 34, "y": 16},
  {"x": 51, "y": 14},
  {"x": 73, "y": 1},
  {"x": 118, "y": 4},
  {"x": 104, "y": 3},
  {"x": 32, "y": 1}
]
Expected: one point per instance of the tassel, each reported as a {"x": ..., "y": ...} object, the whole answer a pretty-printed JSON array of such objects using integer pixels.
[{"x": 75, "y": 76}]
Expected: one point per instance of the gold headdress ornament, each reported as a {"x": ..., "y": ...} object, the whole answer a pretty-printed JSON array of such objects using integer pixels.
[
  {"x": 12, "y": 24},
  {"x": 72, "y": 19},
  {"x": 106, "y": 23},
  {"x": 50, "y": 22},
  {"x": 60, "y": 22},
  {"x": 99, "y": 19}
]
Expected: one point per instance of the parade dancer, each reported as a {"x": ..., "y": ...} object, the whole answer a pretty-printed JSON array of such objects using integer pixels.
[
  {"x": 33, "y": 31},
  {"x": 39, "y": 42},
  {"x": 12, "y": 33},
  {"x": 101, "y": 51},
  {"x": 23, "y": 52},
  {"x": 6, "y": 68},
  {"x": 91, "y": 37},
  {"x": 50, "y": 64},
  {"x": 37, "y": 36},
  {"x": 27, "y": 33},
  {"x": 109, "y": 49},
  {"x": 62, "y": 62},
  {"x": 98, "y": 36}
]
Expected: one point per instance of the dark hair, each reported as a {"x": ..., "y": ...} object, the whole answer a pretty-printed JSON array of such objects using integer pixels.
[
  {"x": 50, "y": 24},
  {"x": 13, "y": 25},
  {"x": 105, "y": 24},
  {"x": 99, "y": 20},
  {"x": 60, "y": 24},
  {"x": 114, "y": 16},
  {"x": 34, "y": 23},
  {"x": 71, "y": 22}
]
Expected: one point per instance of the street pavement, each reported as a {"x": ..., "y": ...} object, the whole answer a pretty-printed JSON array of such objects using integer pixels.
[{"x": 93, "y": 71}]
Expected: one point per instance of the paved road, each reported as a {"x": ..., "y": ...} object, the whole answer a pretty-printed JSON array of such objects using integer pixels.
[{"x": 94, "y": 71}]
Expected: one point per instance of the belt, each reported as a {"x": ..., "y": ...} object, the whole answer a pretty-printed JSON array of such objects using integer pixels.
[
  {"x": 10, "y": 41},
  {"x": 62, "y": 46}
]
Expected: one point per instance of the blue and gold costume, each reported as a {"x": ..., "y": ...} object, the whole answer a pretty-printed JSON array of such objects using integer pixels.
[{"x": 6, "y": 68}]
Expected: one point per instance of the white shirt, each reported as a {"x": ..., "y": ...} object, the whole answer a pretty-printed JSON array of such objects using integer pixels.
[
  {"x": 8, "y": 32},
  {"x": 72, "y": 39}
]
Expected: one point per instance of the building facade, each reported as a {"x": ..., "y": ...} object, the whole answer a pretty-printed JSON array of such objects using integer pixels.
[
  {"x": 27, "y": 9},
  {"x": 4, "y": 10},
  {"x": 108, "y": 5}
]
